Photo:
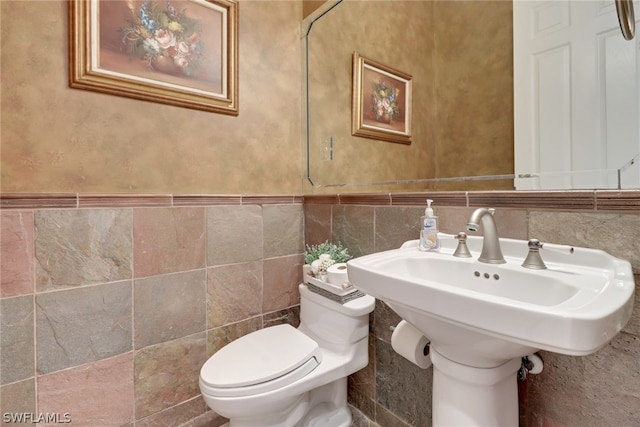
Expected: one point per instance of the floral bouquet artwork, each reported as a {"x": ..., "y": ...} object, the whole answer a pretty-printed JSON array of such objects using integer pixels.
[
  {"x": 384, "y": 106},
  {"x": 381, "y": 101},
  {"x": 164, "y": 37},
  {"x": 175, "y": 52}
]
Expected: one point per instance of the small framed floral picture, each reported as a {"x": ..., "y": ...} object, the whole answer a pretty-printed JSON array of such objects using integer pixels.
[
  {"x": 381, "y": 101},
  {"x": 176, "y": 52}
]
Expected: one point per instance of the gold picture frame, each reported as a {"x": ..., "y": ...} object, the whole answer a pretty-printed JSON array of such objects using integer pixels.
[
  {"x": 182, "y": 53},
  {"x": 381, "y": 101}
]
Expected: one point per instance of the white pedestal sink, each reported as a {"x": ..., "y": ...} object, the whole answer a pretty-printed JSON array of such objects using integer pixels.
[{"x": 483, "y": 318}]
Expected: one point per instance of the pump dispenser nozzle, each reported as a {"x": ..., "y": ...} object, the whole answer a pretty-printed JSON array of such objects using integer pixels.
[{"x": 429, "y": 210}]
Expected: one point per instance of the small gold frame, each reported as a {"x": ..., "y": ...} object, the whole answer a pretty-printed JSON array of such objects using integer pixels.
[{"x": 381, "y": 101}]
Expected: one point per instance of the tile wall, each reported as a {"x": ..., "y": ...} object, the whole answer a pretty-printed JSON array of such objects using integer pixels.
[
  {"x": 110, "y": 304},
  {"x": 592, "y": 391},
  {"x": 108, "y": 313}
]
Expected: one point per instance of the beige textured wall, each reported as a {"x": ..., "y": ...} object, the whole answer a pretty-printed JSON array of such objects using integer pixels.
[
  {"x": 459, "y": 54},
  {"x": 474, "y": 91},
  {"x": 57, "y": 139},
  {"x": 396, "y": 34}
]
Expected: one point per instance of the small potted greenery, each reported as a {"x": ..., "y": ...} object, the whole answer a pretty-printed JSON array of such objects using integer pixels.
[{"x": 318, "y": 258}]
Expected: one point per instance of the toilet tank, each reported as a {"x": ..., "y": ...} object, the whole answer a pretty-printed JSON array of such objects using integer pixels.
[{"x": 333, "y": 322}]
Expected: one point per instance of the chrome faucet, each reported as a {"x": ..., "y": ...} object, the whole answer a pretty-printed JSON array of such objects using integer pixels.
[{"x": 491, "y": 252}]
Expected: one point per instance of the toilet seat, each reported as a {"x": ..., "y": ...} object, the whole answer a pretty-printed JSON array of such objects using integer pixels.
[{"x": 261, "y": 361}]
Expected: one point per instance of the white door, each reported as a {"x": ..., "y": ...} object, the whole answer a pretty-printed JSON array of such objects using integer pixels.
[{"x": 576, "y": 88}]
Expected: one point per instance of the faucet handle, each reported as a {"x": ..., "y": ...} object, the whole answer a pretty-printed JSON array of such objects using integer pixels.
[
  {"x": 534, "y": 260},
  {"x": 534, "y": 244},
  {"x": 552, "y": 247},
  {"x": 462, "y": 251},
  {"x": 563, "y": 249}
]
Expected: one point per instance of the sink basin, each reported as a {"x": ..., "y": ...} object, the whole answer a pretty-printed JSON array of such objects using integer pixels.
[
  {"x": 510, "y": 282},
  {"x": 481, "y": 318},
  {"x": 575, "y": 306}
]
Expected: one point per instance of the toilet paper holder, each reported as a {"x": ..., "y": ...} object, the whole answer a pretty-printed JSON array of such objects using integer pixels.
[
  {"x": 425, "y": 350},
  {"x": 531, "y": 364},
  {"x": 411, "y": 344}
]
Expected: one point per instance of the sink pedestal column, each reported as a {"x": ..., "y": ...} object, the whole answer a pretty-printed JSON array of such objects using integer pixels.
[{"x": 470, "y": 396}]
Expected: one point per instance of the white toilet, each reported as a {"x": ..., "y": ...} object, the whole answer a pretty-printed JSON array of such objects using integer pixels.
[{"x": 285, "y": 377}]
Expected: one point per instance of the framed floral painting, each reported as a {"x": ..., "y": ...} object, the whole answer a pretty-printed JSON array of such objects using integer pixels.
[
  {"x": 177, "y": 52},
  {"x": 381, "y": 101}
]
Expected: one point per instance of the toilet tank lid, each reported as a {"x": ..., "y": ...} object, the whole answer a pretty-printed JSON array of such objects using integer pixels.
[{"x": 259, "y": 357}]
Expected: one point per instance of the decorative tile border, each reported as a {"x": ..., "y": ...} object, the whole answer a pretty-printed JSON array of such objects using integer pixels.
[
  {"x": 378, "y": 199},
  {"x": 600, "y": 200},
  {"x": 440, "y": 198},
  {"x": 123, "y": 200},
  {"x": 618, "y": 200},
  {"x": 70, "y": 200},
  {"x": 265, "y": 199},
  {"x": 322, "y": 199},
  {"x": 206, "y": 199},
  {"x": 534, "y": 199},
  {"x": 38, "y": 200}
]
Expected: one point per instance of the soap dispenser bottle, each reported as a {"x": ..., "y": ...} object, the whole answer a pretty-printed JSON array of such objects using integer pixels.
[{"x": 429, "y": 233}]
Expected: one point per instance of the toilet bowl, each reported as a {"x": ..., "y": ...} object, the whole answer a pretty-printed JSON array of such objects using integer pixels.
[{"x": 287, "y": 377}]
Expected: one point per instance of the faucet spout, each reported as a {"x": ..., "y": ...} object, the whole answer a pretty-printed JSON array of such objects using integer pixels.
[{"x": 491, "y": 251}]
